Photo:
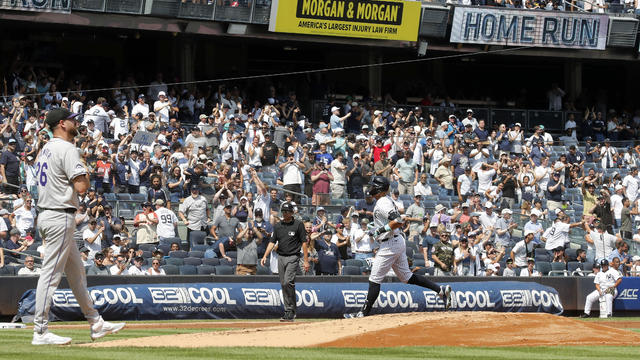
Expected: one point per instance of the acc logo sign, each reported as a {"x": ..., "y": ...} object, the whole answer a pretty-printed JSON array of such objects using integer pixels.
[{"x": 628, "y": 294}]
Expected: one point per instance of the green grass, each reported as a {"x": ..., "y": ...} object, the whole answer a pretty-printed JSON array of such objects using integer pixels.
[{"x": 15, "y": 345}]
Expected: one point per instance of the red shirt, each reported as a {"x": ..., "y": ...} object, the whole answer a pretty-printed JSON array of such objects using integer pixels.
[
  {"x": 321, "y": 186},
  {"x": 378, "y": 150}
]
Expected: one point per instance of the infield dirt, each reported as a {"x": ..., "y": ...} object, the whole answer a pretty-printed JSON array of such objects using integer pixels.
[{"x": 410, "y": 329}]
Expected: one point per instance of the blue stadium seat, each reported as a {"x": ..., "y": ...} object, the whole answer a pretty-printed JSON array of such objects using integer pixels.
[
  {"x": 211, "y": 261},
  {"x": 192, "y": 261},
  {"x": 206, "y": 270},
  {"x": 558, "y": 269},
  {"x": 226, "y": 262},
  {"x": 197, "y": 238},
  {"x": 573, "y": 266},
  {"x": 224, "y": 270},
  {"x": 409, "y": 252},
  {"x": 263, "y": 270},
  {"x": 354, "y": 262},
  {"x": 421, "y": 271},
  {"x": 171, "y": 269},
  {"x": 232, "y": 254},
  {"x": 199, "y": 248},
  {"x": 188, "y": 270},
  {"x": 543, "y": 267},
  {"x": 147, "y": 247},
  {"x": 123, "y": 196},
  {"x": 125, "y": 213},
  {"x": 351, "y": 270},
  {"x": 110, "y": 197},
  {"x": 196, "y": 254},
  {"x": 178, "y": 254},
  {"x": 174, "y": 261},
  {"x": 140, "y": 198},
  {"x": 418, "y": 262}
]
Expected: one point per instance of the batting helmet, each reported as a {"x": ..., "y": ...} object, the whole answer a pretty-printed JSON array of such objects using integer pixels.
[
  {"x": 287, "y": 206},
  {"x": 604, "y": 262},
  {"x": 378, "y": 184}
]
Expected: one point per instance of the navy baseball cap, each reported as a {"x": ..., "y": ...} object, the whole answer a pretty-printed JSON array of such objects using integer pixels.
[{"x": 54, "y": 116}]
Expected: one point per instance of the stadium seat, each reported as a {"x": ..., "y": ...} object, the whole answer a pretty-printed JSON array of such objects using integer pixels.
[
  {"x": 197, "y": 238},
  {"x": 418, "y": 256},
  {"x": 431, "y": 270},
  {"x": 558, "y": 269},
  {"x": 178, "y": 254},
  {"x": 146, "y": 254},
  {"x": 165, "y": 248},
  {"x": 140, "y": 198},
  {"x": 196, "y": 254},
  {"x": 232, "y": 254},
  {"x": 110, "y": 197},
  {"x": 125, "y": 213},
  {"x": 200, "y": 248},
  {"x": 588, "y": 267},
  {"x": 171, "y": 269},
  {"x": 418, "y": 262},
  {"x": 174, "y": 261},
  {"x": 263, "y": 270},
  {"x": 571, "y": 254},
  {"x": 421, "y": 271},
  {"x": 205, "y": 270},
  {"x": 226, "y": 262},
  {"x": 573, "y": 266},
  {"x": 211, "y": 262},
  {"x": 543, "y": 267},
  {"x": 409, "y": 252},
  {"x": 169, "y": 241},
  {"x": 192, "y": 261},
  {"x": 354, "y": 262},
  {"x": 224, "y": 270},
  {"x": 123, "y": 196},
  {"x": 147, "y": 247},
  {"x": 351, "y": 270},
  {"x": 188, "y": 270}
]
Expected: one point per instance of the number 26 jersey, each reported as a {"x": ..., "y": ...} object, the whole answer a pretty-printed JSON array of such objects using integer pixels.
[{"x": 57, "y": 165}]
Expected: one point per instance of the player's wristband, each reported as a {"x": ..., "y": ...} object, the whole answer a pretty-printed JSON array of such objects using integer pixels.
[{"x": 383, "y": 229}]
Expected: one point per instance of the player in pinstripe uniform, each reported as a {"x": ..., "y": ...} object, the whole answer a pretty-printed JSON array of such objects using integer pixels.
[
  {"x": 61, "y": 177},
  {"x": 392, "y": 252}
]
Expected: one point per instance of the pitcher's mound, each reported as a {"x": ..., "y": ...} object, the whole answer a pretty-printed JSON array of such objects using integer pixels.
[{"x": 411, "y": 329}]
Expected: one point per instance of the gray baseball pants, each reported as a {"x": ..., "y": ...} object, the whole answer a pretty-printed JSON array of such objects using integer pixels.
[
  {"x": 288, "y": 266},
  {"x": 60, "y": 255}
]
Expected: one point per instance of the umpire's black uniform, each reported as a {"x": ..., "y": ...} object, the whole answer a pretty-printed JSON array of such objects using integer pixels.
[{"x": 289, "y": 237}]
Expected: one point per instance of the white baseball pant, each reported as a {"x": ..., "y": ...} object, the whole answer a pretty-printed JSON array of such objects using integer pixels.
[
  {"x": 391, "y": 255},
  {"x": 594, "y": 297},
  {"x": 60, "y": 255}
]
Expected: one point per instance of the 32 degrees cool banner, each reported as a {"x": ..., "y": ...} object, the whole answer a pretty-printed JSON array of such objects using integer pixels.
[
  {"x": 314, "y": 300},
  {"x": 374, "y": 19}
]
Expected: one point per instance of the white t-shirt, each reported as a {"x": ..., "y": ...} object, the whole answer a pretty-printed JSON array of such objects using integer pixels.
[
  {"x": 140, "y": 108},
  {"x": 257, "y": 151},
  {"x": 162, "y": 114},
  {"x": 604, "y": 243},
  {"x": 488, "y": 221},
  {"x": 556, "y": 235},
  {"x": 114, "y": 270},
  {"x": 520, "y": 252},
  {"x": 484, "y": 179},
  {"x": 24, "y": 219},
  {"x": 94, "y": 247},
  {"x": 616, "y": 204},
  {"x": 544, "y": 172},
  {"x": 120, "y": 126},
  {"x": 525, "y": 273},
  {"x": 465, "y": 184},
  {"x": 133, "y": 270},
  {"x": 631, "y": 187},
  {"x": 166, "y": 222},
  {"x": 291, "y": 174},
  {"x": 339, "y": 175}
]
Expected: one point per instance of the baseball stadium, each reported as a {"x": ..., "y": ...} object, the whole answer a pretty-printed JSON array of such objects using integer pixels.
[{"x": 301, "y": 179}]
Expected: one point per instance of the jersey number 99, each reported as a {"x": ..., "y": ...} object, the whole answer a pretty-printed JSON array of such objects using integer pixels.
[{"x": 41, "y": 173}]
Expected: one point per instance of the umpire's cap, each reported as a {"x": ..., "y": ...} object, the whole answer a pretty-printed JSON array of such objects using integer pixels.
[
  {"x": 54, "y": 116},
  {"x": 378, "y": 184},
  {"x": 604, "y": 262},
  {"x": 287, "y": 206}
]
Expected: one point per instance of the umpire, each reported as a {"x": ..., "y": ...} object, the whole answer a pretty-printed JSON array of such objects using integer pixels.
[{"x": 290, "y": 236}]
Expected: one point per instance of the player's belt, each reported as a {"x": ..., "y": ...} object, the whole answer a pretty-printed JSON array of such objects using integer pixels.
[
  {"x": 364, "y": 252},
  {"x": 67, "y": 210}
]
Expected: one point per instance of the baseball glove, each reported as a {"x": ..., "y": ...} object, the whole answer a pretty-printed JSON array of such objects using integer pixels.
[{"x": 611, "y": 290}]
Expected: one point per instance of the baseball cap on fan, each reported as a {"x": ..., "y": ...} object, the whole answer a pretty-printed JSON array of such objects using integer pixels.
[{"x": 54, "y": 116}]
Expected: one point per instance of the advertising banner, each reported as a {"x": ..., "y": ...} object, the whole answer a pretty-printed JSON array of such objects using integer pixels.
[
  {"x": 510, "y": 27},
  {"x": 314, "y": 300},
  {"x": 627, "y": 298},
  {"x": 373, "y": 19},
  {"x": 59, "y": 6}
]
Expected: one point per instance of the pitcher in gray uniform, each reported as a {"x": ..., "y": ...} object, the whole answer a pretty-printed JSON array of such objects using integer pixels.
[
  {"x": 61, "y": 176},
  {"x": 392, "y": 252}
]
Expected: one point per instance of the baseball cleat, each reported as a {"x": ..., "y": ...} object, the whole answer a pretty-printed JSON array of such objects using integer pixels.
[
  {"x": 49, "y": 338},
  {"x": 359, "y": 314},
  {"x": 584, "y": 315},
  {"x": 287, "y": 317},
  {"x": 103, "y": 328}
]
